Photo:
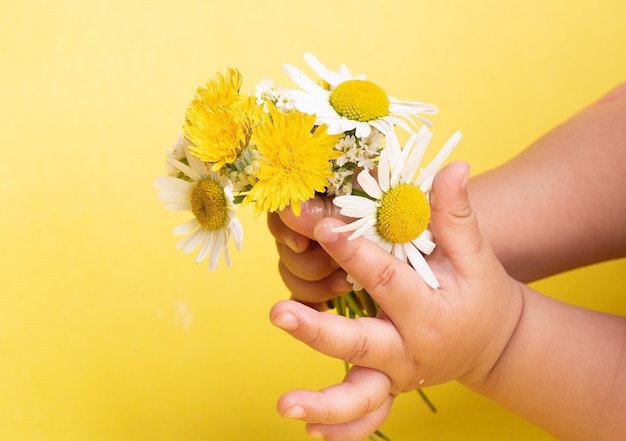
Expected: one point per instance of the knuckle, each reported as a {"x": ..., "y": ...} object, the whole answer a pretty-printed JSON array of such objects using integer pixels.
[
  {"x": 378, "y": 277},
  {"x": 383, "y": 278},
  {"x": 367, "y": 405},
  {"x": 359, "y": 352},
  {"x": 315, "y": 337}
]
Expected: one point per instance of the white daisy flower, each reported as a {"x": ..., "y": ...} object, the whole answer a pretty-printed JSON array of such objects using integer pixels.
[
  {"x": 351, "y": 102},
  {"x": 397, "y": 212},
  {"x": 209, "y": 197}
]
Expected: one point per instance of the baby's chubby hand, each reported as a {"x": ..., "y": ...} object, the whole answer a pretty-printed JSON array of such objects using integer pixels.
[{"x": 421, "y": 337}]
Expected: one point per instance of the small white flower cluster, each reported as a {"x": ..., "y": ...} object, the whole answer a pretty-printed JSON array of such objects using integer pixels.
[
  {"x": 279, "y": 96},
  {"x": 356, "y": 154}
]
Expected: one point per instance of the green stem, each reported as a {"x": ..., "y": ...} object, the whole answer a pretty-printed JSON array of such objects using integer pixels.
[
  {"x": 380, "y": 435},
  {"x": 369, "y": 306},
  {"x": 340, "y": 305},
  {"x": 353, "y": 305},
  {"x": 427, "y": 400}
]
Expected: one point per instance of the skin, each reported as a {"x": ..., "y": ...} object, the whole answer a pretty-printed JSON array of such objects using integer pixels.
[{"x": 483, "y": 327}]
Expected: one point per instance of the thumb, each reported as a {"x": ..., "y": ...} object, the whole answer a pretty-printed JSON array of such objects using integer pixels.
[{"x": 453, "y": 221}]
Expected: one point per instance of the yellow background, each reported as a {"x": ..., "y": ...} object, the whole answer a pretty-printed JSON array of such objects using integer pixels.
[{"x": 109, "y": 333}]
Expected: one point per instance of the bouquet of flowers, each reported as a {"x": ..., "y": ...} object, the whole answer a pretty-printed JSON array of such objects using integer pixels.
[{"x": 277, "y": 147}]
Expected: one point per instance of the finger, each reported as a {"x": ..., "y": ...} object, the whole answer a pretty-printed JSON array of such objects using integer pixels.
[
  {"x": 454, "y": 223},
  {"x": 312, "y": 264},
  {"x": 362, "y": 391},
  {"x": 356, "y": 430},
  {"x": 391, "y": 282},
  {"x": 365, "y": 341},
  {"x": 315, "y": 291},
  {"x": 311, "y": 212},
  {"x": 285, "y": 235}
]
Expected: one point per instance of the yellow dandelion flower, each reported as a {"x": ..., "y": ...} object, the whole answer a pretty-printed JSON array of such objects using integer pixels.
[
  {"x": 222, "y": 90},
  {"x": 218, "y": 134},
  {"x": 295, "y": 161},
  {"x": 219, "y": 120}
]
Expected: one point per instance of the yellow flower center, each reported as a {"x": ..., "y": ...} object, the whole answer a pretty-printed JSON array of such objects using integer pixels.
[
  {"x": 360, "y": 100},
  {"x": 403, "y": 214},
  {"x": 208, "y": 204}
]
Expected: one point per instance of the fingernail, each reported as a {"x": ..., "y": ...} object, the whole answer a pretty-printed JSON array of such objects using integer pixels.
[
  {"x": 339, "y": 284},
  {"x": 323, "y": 233},
  {"x": 295, "y": 412},
  {"x": 286, "y": 321},
  {"x": 292, "y": 244},
  {"x": 465, "y": 180},
  {"x": 315, "y": 434}
]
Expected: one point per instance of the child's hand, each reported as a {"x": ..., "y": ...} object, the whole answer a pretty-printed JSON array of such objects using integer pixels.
[
  {"x": 422, "y": 336},
  {"x": 311, "y": 275}
]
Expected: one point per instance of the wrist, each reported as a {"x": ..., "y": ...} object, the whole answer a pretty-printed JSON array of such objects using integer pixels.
[{"x": 481, "y": 377}]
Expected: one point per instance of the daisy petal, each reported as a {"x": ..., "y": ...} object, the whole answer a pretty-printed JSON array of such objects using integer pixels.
[
  {"x": 398, "y": 106},
  {"x": 355, "y": 285},
  {"x": 196, "y": 164},
  {"x": 175, "y": 197},
  {"x": 236, "y": 230},
  {"x": 431, "y": 169},
  {"x": 424, "y": 243},
  {"x": 186, "y": 228},
  {"x": 382, "y": 125},
  {"x": 334, "y": 126},
  {"x": 427, "y": 184},
  {"x": 363, "y": 130},
  {"x": 193, "y": 239},
  {"x": 301, "y": 79},
  {"x": 355, "y": 206},
  {"x": 185, "y": 169},
  {"x": 219, "y": 244},
  {"x": 415, "y": 154},
  {"x": 331, "y": 77},
  {"x": 178, "y": 206},
  {"x": 398, "y": 251},
  {"x": 307, "y": 104},
  {"x": 421, "y": 266},
  {"x": 367, "y": 226},
  {"x": 369, "y": 184},
  {"x": 171, "y": 183},
  {"x": 372, "y": 234},
  {"x": 401, "y": 120},
  {"x": 205, "y": 248},
  {"x": 384, "y": 169},
  {"x": 356, "y": 225},
  {"x": 226, "y": 255}
]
